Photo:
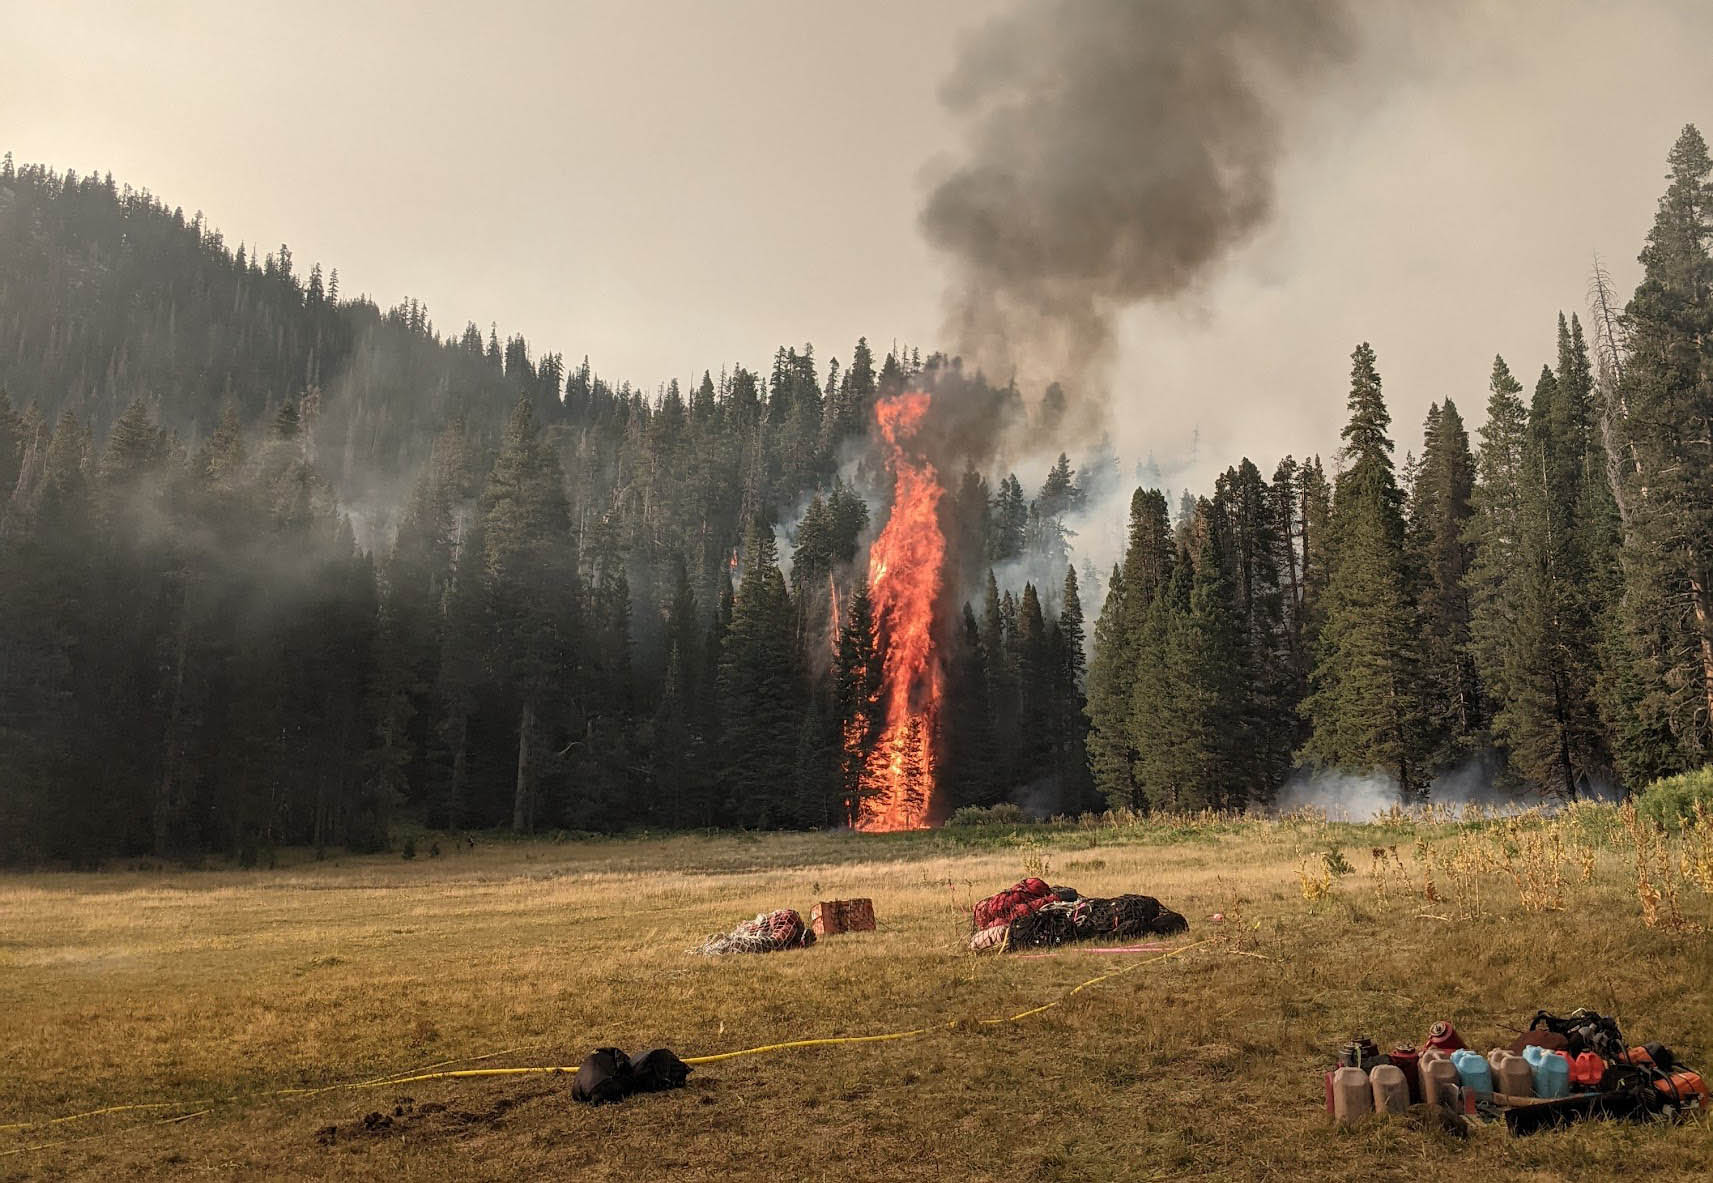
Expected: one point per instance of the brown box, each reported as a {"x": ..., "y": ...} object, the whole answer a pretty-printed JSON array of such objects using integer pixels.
[{"x": 836, "y": 916}]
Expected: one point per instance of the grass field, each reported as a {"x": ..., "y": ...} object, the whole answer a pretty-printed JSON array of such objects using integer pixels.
[{"x": 200, "y": 991}]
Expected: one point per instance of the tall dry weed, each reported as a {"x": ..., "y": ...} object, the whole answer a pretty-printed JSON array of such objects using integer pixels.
[
  {"x": 1656, "y": 874},
  {"x": 1533, "y": 853},
  {"x": 1424, "y": 855},
  {"x": 1314, "y": 879},
  {"x": 1038, "y": 862},
  {"x": 1386, "y": 868},
  {"x": 1464, "y": 867},
  {"x": 1697, "y": 858}
]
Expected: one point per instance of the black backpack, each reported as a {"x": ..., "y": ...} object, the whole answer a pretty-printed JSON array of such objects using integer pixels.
[
  {"x": 658, "y": 1070},
  {"x": 604, "y": 1076},
  {"x": 610, "y": 1075},
  {"x": 1584, "y": 1031}
]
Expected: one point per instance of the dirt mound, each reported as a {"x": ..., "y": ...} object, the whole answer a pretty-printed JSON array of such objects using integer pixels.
[{"x": 431, "y": 1120}]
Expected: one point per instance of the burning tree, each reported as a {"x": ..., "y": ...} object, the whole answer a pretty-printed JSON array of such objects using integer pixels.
[{"x": 905, "y": 568}]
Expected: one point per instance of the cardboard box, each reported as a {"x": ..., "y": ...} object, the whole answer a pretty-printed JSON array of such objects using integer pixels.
[{"x": 835, "y": 916}]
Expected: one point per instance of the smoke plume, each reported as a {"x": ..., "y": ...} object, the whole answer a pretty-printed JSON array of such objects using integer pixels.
[{"x": 1117, "y": 149}]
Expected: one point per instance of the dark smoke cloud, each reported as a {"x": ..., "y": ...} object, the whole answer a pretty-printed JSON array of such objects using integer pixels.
[{"x": 1117, "y": 149}]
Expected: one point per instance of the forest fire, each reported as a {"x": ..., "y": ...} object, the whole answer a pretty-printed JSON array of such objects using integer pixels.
[{"x": 904, "y": 574}]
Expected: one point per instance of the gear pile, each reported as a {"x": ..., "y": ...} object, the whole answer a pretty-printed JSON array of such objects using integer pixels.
[
  {"x": 769, "y": 932},
  {"x": 1031, "y": 914}
]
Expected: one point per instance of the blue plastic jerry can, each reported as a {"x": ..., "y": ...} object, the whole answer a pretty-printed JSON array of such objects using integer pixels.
[
  {"x": 1551, "y": 1072},
  {"x": 1474, "y": 1073}
]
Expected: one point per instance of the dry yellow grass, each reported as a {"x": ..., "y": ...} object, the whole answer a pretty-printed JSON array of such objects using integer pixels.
[{"x": 150, "y": 986}]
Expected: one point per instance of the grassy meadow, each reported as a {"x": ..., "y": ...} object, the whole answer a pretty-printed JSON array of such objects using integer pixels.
[{"x": 200, "y": 992}]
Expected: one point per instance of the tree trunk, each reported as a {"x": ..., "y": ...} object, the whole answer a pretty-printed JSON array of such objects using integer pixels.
[
  {"x": 166, "y": 808},
  {"x": 1704, "y": 630},
  {"x": 1611, "y": 445},
  {"x": 460, "y": 771},
  {"x": 1608, "y": 386},
  {"x": 1566, "y": 768},
  {"x": 1294, "y": 597},
  {"x": 523, "y": 800}
]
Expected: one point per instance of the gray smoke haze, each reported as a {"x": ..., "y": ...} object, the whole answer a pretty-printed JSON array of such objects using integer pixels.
[
  {"x": 1116, "y": 151},
  {"x": 1359, "y": 797}
]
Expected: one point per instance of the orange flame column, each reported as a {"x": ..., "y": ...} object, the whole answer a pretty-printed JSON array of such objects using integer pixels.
[{"x": 905, "y": 569}]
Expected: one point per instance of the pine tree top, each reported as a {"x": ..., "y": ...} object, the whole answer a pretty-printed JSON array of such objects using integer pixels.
[
  {"x": 287, "y": 421},
  {"x": 1365, "y": 435}
]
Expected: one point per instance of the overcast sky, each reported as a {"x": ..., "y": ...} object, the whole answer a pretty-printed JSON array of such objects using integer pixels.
[{"x": 669, "y": 185}]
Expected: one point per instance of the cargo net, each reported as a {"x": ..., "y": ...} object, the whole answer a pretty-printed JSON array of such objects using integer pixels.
[
  {"x": 769, "y": 932},
  {"x": 1032, "y": 914},
  {"x": 1123, "y": 917}
]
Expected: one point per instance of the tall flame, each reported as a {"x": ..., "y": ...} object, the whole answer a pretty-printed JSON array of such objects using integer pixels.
[{"x": 904, "y": 574}]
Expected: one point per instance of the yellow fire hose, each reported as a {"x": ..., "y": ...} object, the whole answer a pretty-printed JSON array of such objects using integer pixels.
[{"x": 470, "y": 1073}]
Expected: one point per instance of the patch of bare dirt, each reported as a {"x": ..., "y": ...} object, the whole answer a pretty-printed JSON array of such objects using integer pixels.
[{"x": 429, "y": 1120}]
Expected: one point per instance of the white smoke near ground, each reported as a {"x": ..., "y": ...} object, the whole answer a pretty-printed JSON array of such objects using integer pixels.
[
  {"x": 1359, "y": 797},
  {"x": 1040, "y": 799}
]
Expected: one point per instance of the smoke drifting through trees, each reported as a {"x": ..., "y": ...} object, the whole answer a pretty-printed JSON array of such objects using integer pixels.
[
  {"x": 1117, "y": 150},
  {"x": 581, "y": 621}
]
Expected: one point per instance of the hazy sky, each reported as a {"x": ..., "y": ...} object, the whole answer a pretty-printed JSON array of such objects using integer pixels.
[{"x": 669, "y": 185}]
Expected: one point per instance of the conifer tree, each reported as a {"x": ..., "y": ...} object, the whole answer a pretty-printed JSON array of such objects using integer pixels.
[
  {"x": 1220, "y": 757},
  {"x": 1242, "y": 516},
  {"x": 462, "y": 673},
  {"x": 968, "y": 776},
  {"x": 1496, "y": 576},
  {"x": 672, "y": 758},
  {"x": 1111, "y": 681},
  {"x": 1032, "y": 658},
  {"x": 1289, "y": 535},
  {"x": 857, "y": 675},
  {"x": 970, "y": 526},
  {"x": 1597, "y": 522},
  {"x": 1315, "y": 545},
  {"x": 532, "y": 579},
  {"x": 1059, "y": 493},
  {"x": 1551, "y": 725},
  {"x": 1666, "y": 616},
  {"x": 1439, "y": 534},
  {"x": 414, "y": 580},
  {"x": 11, "y": 447},
  {"x": 1191, "y": 714},
  {"x": 1002, "y": 688},
  {"x": 1363, "y": 703},
  {"x": 287, "y": 421},
  {"x": 1118, "y": 658},
  {"x": 1069, "y": 723},
  {"x": 759, "y": 691},
  {"x": 1009, "y": 521},
  {"x": 221, "y": 460}
]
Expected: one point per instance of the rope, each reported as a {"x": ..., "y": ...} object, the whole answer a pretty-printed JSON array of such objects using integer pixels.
[
  {"x": 288, "y": 1092},
  {"x": 92, "y": 1137},
  {"x": 830, "y": 1041},
  {"x": 469, "y": 1073}
]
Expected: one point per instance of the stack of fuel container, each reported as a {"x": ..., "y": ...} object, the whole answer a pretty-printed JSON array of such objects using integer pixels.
[{"x": 1557, "y": 1072}]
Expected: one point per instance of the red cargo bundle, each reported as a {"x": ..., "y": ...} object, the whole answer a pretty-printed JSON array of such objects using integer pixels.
[
  {"x": 836, "y": 916},
  {"x": 1020, "y": 900}
]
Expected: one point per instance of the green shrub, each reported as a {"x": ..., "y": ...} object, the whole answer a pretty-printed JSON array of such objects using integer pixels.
[
  {"x": 1671, "y": 799},
  {"x": 1003, "y": 814}
]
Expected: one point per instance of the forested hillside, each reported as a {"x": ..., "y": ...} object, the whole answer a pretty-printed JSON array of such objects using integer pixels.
[
  {"x": 218, "y": 632},
  {"x": 576, "y": 618}
]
